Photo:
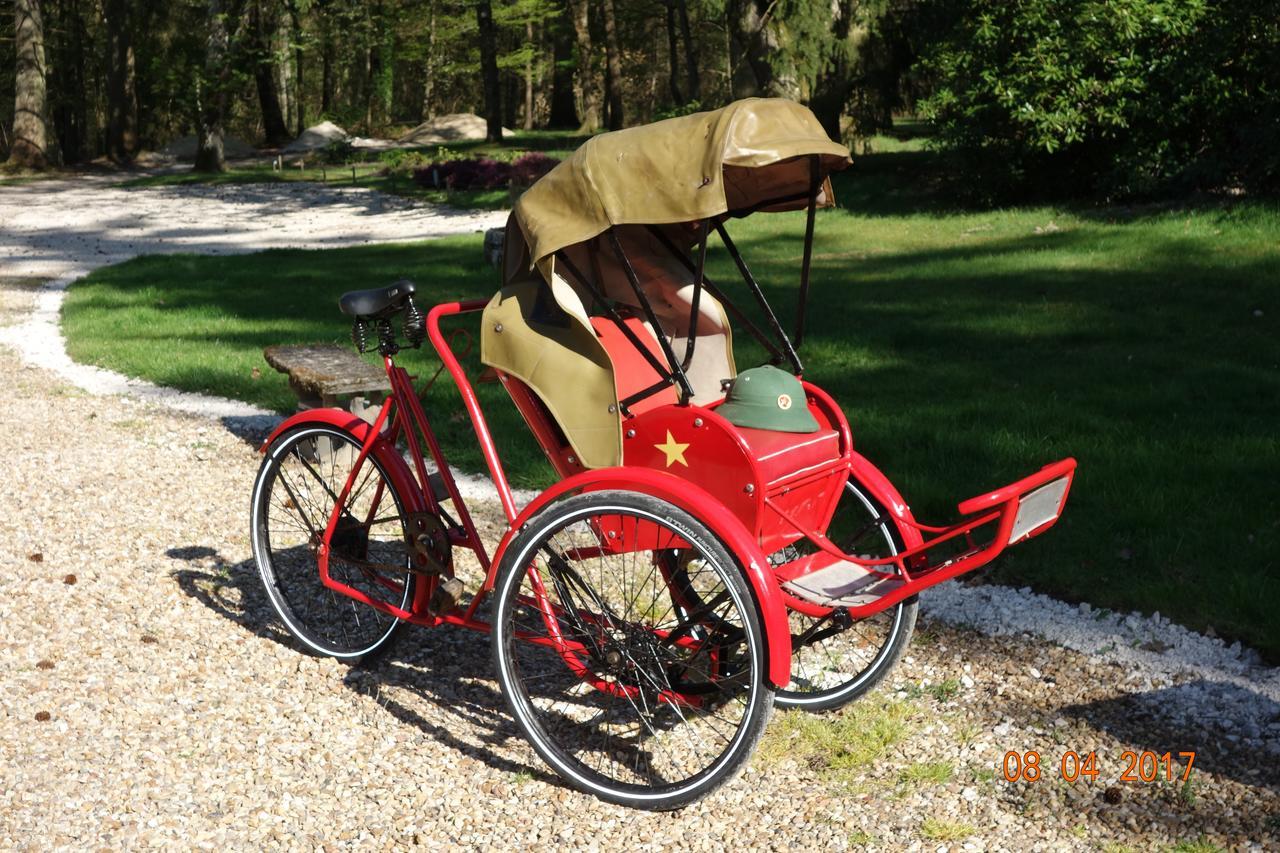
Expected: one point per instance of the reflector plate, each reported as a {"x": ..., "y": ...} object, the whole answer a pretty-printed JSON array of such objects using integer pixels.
[{"x": 1035, "y": 509}]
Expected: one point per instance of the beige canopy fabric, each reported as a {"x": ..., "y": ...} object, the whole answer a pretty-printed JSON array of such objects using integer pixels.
[{"x": 672, "y": 173}]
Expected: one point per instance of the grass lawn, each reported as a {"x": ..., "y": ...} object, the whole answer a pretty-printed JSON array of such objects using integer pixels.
[
  {"x": 967, "y": 347},
  {"x": 367, "y": 169}
]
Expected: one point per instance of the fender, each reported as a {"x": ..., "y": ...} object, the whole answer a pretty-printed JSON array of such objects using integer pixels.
[
  {"x": 869, "y": 476},
  {"x": 696, "y": 501},
  {"x": 398, "y": 472}
]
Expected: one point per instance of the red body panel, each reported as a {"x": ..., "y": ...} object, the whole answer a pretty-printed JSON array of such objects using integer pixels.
[{"x": 710, "y": 511}]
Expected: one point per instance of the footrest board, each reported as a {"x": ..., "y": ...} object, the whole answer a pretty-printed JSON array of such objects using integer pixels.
[{"x": 842, "y": 584}]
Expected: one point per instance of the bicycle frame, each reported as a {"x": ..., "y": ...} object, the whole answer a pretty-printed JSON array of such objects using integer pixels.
[{"x": 401, "y": 414}]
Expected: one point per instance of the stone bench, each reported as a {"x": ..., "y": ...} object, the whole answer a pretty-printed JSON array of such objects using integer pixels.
[{"x": 323, "y": 375}]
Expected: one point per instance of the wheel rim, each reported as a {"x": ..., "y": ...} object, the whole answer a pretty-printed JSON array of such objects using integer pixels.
[
  {"x": 656, "y": 699},
  {"x": 847, "y": 659},
  {"x": 295, "y": 496}
]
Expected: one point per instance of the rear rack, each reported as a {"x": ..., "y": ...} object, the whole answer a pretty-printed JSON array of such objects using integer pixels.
[{"x": 1015, "y": 513}]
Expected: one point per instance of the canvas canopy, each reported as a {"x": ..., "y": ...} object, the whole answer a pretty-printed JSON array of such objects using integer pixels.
[{"x": 754, "y": 154}]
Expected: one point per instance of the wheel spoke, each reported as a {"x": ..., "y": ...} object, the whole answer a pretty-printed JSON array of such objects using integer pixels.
[
  {"x": 659, "y": 695},
  {"x": 298, "y": 488}
]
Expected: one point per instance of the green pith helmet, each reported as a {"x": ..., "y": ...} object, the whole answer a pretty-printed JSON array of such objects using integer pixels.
[{"x": 768, "y": 398}]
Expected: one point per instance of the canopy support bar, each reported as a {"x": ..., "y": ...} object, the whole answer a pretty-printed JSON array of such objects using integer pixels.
[
  {"x": 815, "y": 185},
  {"x": 718, "y": 294},
  {"x": 686, "y": 390},
  {"x": 695, "y": 319},
  {"x": 788, "y": 349},
  {"x": 658, "y": 367}
]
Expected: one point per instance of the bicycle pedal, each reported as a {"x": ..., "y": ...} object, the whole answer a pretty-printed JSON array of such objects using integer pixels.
[{"x": 447, "y": 594}]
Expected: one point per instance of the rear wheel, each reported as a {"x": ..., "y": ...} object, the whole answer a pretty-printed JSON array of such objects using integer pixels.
[
  {"x": 836, "y": 659},
  {"x": 626, "y": 693},
  {"x": 298, "y": 485}
]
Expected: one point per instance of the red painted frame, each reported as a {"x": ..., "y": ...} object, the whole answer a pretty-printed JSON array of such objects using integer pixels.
[{"x": 733, "y": 499}]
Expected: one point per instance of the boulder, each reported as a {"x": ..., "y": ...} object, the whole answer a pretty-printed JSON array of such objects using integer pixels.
[
  {"x": 316, "y": 137},
  {"x": 454, "y": 127}
]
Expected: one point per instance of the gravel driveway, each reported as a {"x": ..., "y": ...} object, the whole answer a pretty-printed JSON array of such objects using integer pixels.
[{"x": 150, "y": 699}]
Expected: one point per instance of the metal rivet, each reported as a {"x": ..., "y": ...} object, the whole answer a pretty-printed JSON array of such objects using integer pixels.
[
  {"x": 697, "y": 422},
  {"x": 631, "y": 433},
  {"x": 750, "y": 488},
  {"x": 612, "y": 408},
  {"x": 573, "y": 461},
  {"x": 613, "y": 534},
  {"x": 497, "y": 327}
]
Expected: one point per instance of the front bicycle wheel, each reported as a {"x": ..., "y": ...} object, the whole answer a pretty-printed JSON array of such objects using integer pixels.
[
  {"x": 298, "y": 485},
  {"x": 836, "y": 659},
  {"x": 627, "y": 693}
]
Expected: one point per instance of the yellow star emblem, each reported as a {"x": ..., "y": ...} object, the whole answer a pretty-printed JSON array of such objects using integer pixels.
[{"x": 674, "y": 450}]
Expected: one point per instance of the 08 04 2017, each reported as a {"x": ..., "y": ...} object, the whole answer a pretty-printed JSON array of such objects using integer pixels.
[{"x": 1144, "y": 766}]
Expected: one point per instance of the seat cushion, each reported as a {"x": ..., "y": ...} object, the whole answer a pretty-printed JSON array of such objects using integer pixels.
[{"x": 784, "y": 454}]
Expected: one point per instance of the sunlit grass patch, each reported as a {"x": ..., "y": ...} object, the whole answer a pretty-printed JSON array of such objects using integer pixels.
[
  {"x": 937, "y": 829},
  {"x": 927, "y": 773},
  {"x": 838, "y": 744}
]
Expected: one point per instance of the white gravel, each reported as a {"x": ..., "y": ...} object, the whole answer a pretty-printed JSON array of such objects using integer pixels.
[{"x": 64, "y": 229}]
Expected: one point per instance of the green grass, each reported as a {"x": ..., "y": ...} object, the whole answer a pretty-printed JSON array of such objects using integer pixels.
[
  {"x": 936, "y": 829},
  {"x": 366, "y": 169},
  {"x": 967, "y": 347},
  {"x": 927, "y": 773},
  {"x": 1200, "y": 845},
  {"x": 367, "y": 175},
  {"x": 838, "y": 745}
]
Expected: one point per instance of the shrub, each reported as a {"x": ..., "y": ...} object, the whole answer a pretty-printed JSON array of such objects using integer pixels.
[
  {"x": 482, "y": 173},
  {"x": 337, "y": 152},
  {"x": 528, "y": 168},
  {"x": 1125, "y": 97}
]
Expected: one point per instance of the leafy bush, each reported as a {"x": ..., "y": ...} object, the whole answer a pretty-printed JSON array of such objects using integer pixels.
[
  {"x": 528, "y": 168},
  {"x": 1126, "y": 97},
  {"x": 399, "y": 161},
  {"x": 482, "y": 173}
]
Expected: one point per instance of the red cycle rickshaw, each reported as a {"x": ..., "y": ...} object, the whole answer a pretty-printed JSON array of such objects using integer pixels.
[{"x": 714, "y": 546}]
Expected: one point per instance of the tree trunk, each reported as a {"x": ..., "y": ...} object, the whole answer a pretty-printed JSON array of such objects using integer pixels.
[
  {"x": 298, "y": 79},
  {"x": 564, "y": 113},
  {"x": 30, "y": 148},
  {"x": 489, "y": 71},
  {"x": 613, "y": 63},
  {"x": 528, "y": 78},
  {"x": 326, "y": 73},
  {"x": 122, "y": 93},
  {"x": 384, "y": 68},
  {"x": 690, "y": 54},
  {"x": 587, "y": 80},
  {"x": 213, "y": 109},
  {"x": 274, "y": 128},
  {"x": 68, "y": 114},
  {"x": 429, "y": 69},
  {"x": 756, "y": 43},
  {"x": 673, "y": 58},
  {"x": 833, "y": 87}
]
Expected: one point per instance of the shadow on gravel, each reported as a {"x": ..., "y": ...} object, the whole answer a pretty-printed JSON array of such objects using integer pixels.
[
  {"x": 447, "y": 667},
  {"x": 1229, "y": 727}
]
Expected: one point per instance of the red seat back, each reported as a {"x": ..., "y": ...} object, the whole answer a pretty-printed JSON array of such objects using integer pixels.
[{"x": 632, "y": 372}]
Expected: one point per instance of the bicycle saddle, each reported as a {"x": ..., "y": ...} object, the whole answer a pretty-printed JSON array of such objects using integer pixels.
[{"x": 378, "y": 302}]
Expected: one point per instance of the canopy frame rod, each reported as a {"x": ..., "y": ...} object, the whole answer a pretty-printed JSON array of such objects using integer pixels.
[
  {"x": 686, "y": 390},
  {"x": 802, "y": 306},
  {"x": 719, "y": 294},
  {"x": 788, "y": 349}
]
